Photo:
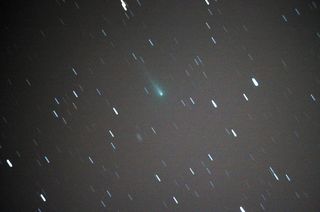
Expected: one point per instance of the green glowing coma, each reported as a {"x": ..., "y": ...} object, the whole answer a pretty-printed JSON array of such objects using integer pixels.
[
  {"x": 157, "y": 88},
  {"x": 159, "y": 91}
]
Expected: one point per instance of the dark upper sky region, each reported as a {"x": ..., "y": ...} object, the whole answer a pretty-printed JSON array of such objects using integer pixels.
[{"x": 193, "y": 105}]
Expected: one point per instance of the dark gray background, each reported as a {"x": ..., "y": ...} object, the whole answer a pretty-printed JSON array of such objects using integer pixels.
[{"x": 278, "y": 127}]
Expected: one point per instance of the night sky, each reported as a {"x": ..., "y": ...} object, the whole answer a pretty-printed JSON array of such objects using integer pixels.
[{"x": 160, "y": 105}]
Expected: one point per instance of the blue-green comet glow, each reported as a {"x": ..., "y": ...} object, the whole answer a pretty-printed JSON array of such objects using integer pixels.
[{"x": 157, "y": 89}]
